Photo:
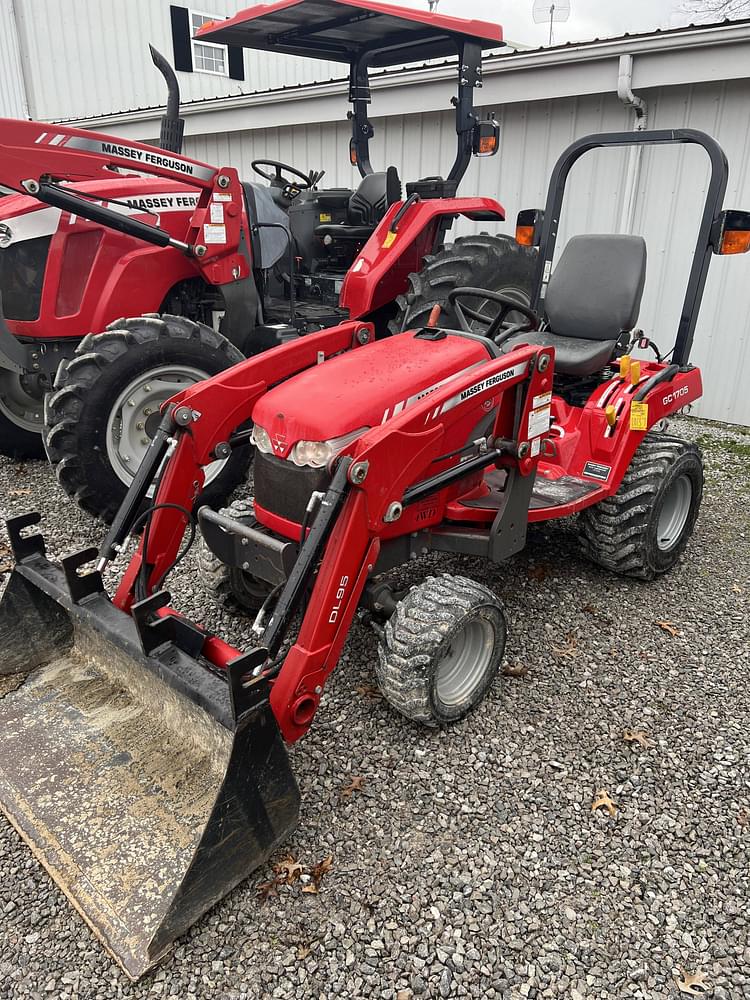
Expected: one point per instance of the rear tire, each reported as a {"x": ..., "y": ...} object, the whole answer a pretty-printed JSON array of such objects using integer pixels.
[
  {"x": 230, "y": 586},
  {"x": 644, "y": 528},
  {"x": 497, "y": 263},
  {"x": 441, "y": 649},
  {"x": 90, "y": 404}
]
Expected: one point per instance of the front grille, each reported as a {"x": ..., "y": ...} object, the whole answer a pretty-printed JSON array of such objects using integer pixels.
[
  {"x": 283, "y": 488},
  {"x": 22, "y": 267}
]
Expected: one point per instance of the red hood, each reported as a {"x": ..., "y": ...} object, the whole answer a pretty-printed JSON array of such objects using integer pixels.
[{"x": 361, "y": 388}]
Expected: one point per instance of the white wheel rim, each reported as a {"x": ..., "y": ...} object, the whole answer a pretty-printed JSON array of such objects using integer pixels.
[
  {"x": 465, "y": 663},
  {"x": 19, "y": 406},
  {"x": 134, "y": 417},
  {"x": 674, "y": 513}
]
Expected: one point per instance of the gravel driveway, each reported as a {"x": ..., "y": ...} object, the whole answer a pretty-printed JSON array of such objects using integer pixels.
[{"x": 470, "y": 862}]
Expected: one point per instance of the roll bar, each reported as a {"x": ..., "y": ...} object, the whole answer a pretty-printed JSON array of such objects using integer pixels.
[{"x": 710, "y": 217}]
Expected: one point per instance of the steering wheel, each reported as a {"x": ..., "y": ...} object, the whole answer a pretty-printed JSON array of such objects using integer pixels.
[
  {"x": 303, "y": 183},
  {"x": 493, "y": 323}
]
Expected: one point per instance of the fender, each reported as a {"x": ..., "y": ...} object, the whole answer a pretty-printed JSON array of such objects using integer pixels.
[{"x": 399, "y": 245}]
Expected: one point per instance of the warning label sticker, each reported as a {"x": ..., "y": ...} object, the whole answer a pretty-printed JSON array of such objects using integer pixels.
[
  {"x": 539, "y": 421},
  {"x": 542, "y": 400},
  {"x": 214, "y": 234},
  {"x": 217, "y": 213}
]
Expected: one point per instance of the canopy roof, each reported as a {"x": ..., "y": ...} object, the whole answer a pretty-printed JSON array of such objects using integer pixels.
[{"x": 343, "y": 30}]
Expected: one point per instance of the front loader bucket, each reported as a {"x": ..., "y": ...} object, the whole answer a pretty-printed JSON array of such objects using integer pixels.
[{"x": 124, "y": 762}]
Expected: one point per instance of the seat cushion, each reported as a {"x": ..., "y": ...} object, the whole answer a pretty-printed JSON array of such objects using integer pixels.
[
  {"x": 595, "y": 289},
  {"x": 573, "y": 355}
]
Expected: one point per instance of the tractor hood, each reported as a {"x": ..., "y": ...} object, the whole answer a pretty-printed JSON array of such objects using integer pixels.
[{"x": 362, "y": 388}]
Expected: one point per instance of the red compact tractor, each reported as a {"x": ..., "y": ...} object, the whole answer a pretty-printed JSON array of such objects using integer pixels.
[
  {"x": 214, "y": 269},
  {"x": 448, "y": 437}
]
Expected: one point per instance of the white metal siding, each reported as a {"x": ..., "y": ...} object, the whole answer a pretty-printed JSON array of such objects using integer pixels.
[
  {"x": 669, "y": 202},
  {"x": 12, "y": 90},
  {"x": 91, "y": 57}
]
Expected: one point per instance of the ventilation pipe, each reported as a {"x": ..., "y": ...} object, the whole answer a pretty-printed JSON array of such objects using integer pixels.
[{"x": 633, "y": 173}]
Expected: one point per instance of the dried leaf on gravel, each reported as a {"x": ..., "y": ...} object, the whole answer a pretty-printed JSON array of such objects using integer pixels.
[
  {"x": 370, "y": 692},
  {"x": 538, "y": 573},
  {"x": 19, "y": 493},
  {"x": 515, "y": 670},
  {"x": 316, "y": 874},
  {"x": 603, "y": 801},
  {"x": 668, "y": 627},
  {"x": 639, "y": 736},
  {"x": 743, "y": 817},
  {"x": 355, "y": 785},
  {"x": 267, "y": 889},
  {"x": 288, "y": 870},
  {"x": 693, "y": 983},
  {"x": 303, "y": 951},
  {"x": 570, "y": 649}
]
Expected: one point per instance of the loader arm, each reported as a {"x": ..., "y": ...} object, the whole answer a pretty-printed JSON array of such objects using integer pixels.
[
  {"x": 343, "y": 548},
  {"x": 41, "y": 160}
]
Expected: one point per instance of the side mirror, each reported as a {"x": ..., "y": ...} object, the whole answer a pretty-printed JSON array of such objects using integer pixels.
[
  {"x": 529, "y": 226},
  {"x": 732, "y": 232},
  {"x": 486, "y": 138}
]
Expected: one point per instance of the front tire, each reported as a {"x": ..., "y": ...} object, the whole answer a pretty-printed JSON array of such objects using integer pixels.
[
  {"x": 644, "y": 528},
  {"x": 105, "y": 407},
  {"x": 21, "y": 418},
  {"x": 441, "y": 649},
  {"x": 230, "y": 586}
]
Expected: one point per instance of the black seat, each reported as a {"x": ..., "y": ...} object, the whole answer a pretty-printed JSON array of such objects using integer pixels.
[
  {"x": 367, "y": 206},
  {"x": 593, "y": 296}
]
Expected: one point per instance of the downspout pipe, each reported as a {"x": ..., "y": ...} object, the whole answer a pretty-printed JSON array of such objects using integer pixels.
[{"x": 633, "y": 172}]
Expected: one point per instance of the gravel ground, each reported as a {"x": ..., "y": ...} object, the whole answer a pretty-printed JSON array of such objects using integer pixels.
[{"x": 470, "y": 863}]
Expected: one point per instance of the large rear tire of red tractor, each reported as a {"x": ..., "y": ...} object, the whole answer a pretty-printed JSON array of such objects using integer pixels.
[
  {"x": 644, "y": 528},
  {"x": 21, "y": 417},
  {"x": 497, "y": 263},
  {"x": 441, "y": 649},
  {"x": 104, "y": 409}
]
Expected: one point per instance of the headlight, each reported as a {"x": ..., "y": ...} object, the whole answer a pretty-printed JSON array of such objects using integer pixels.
[
  {"x": 6, "y": 235},
  {"x": 318, "y": 454},
  {"x": 261, "y": 440}
]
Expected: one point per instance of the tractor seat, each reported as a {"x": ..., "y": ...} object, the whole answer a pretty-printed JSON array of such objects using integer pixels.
[
  {"x": 593, "y": 296},
  {"x": 367, "y": 206}
]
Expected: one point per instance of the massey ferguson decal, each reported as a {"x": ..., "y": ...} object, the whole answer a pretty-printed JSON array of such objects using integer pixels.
[
  {"x": 163, "y": 202},
  {"x": 486, "y": 383},
  {"x": 147, "y": 157}
]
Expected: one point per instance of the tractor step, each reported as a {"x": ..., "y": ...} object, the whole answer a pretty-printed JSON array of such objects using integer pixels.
[{"x": 560, "y": 492}]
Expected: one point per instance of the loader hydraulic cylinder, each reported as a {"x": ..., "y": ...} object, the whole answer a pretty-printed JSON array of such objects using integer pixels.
[{"x": 58, "y": 197}]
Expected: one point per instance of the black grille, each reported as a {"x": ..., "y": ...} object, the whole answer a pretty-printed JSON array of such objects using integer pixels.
[
  {"x": 284, "y": 488},
  {"x": 22, "y": 268}
]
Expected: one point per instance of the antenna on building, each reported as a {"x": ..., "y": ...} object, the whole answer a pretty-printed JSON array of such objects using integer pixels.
[{"x": 552, "y": 11}]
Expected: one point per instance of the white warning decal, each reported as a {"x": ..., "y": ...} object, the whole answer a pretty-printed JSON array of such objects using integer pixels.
[{"x": 214, "y": 234}]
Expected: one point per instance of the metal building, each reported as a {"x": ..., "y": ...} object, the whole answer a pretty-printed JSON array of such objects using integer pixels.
[{"x": 295, "y": 110}]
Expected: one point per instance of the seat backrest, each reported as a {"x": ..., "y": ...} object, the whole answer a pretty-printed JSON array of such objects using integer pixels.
[
  {"x": 595, "y": 290},
  {"x": 371, "y": 200}
]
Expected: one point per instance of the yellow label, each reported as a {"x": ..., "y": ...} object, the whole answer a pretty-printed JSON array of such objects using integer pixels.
[
  {"x": 638, "y": 416},
  {"x": 390, "y": 239},
  {"x": 325, "y": 217}
]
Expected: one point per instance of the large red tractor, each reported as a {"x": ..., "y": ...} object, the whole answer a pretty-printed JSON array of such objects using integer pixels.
[
  {"x": 159, "y": 777},
  {"x": 199, "y": 290}
]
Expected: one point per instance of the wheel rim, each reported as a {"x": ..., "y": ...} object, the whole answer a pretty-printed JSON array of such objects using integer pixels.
[
  {"x": 465, "y": 663},
  {"x": 674, "y": 513},
  {"x": 133, "y": 419},
  {"x": 18, "y": 405}
]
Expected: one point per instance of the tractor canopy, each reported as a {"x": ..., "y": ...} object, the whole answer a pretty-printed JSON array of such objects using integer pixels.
[
  {"x": 368, "y": 34},
  {"x": 345, "y": 30}
]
